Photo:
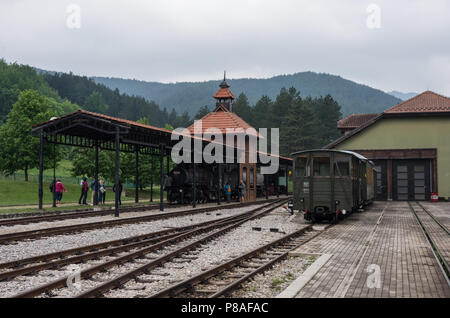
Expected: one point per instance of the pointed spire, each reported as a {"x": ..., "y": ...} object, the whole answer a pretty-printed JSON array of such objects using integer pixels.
[
  {"x": 224, "y": 84},
  {"x": 224, "y": 97}
]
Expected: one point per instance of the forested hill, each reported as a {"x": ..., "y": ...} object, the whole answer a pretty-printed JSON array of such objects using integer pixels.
[{"x": 190, "y": 96}]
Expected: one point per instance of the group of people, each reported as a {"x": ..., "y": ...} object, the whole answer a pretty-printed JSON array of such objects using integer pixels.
[
  {"x": 241, "y": 189},
  {"x": 59, "y": 188},
  {"x": 85, "y": 189}
]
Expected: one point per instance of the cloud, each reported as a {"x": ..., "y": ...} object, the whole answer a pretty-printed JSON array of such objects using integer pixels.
[{"x": 181, "y": 40}]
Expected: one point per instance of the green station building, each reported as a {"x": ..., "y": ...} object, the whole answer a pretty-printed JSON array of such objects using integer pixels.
[{"x": 409, "y": 142}]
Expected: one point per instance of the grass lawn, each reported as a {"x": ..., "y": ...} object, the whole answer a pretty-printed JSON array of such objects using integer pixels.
[
  {"x": 21, "y": 192},
  {"x": 62, "y": 170}
]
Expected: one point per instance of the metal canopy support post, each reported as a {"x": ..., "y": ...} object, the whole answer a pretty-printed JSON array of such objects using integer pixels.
[
  {"x": 136, "y": 179},
  {"x": 96, "y": 174},
  {"x": 41, "y": 168},
  {"x": 219, "y": 185},
  {"x": 266, "y": 187},
  {"x": 277, "y": 183},
  {"x": 287, "y": 179},
  {"x": 168, "y": 164},
  {"x": 151, "y": 179},
  {"x": 116, "y": 211},
  {"x": 194, "y": 186},
  {"x": 161, "y": 179},
  {"x": 54, "y": 175}
]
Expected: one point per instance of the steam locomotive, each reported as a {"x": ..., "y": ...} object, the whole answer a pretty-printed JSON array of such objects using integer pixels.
[{"x": 206, "y": 178}]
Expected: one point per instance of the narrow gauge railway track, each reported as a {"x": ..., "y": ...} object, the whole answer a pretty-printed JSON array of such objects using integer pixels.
[
  {"x": 57, "y": 216},
  {"x": 17, "y": 219},
  {"x": 17, "y": 236},
  {"x": 33, "y": 217},
  {"x": 218, "y": 228},
  {"x": 443, "y": 226},
  {"x": 89, "y": 252},
  {"x": 230, "y": 275},
  {"x": 436, "y": 234}
]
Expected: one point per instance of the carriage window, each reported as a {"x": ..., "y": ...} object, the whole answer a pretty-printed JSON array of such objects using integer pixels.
[
  {"x": 302, "y": 167},
  {"x": 321, "y": 166},
  {"x": 252, "y": 178},
  {"x": 341, "y": 166}
]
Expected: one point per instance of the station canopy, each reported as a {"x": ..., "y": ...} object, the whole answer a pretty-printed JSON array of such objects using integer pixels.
[{"x": 84, "y": 129}]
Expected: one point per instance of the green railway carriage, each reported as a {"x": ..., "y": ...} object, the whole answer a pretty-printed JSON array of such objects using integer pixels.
[{"x": 328, "y": 184}]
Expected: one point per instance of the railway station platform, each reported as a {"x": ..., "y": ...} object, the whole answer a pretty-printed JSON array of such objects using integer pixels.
[{"x": 381, "y": 252}]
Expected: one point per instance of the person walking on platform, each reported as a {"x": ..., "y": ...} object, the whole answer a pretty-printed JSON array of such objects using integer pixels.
[
  {"x": 84, "y": 190},
  {"x": 227, "y": 189},
  {"x": 119, "y": 188},
  {"x": 59, "y": 189}
]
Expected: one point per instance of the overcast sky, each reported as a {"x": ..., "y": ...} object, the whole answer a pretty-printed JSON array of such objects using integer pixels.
[{"x": 195, "y": 40}]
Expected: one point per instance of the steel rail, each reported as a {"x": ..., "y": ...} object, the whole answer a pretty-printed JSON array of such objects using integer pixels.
[
  {"x": 73, "y": 214},
  {"x": 434, "y": 218},
  {"x": 16, "y": 236},
  {"x": 443, "y": 265},
  {"x": 189, "y": 283},
  {"x": 94, "y": 247},
  {"x": 103, "y": 252},
  {"x": 62, "y": 282},
  {"x": 122, "y": 279}
]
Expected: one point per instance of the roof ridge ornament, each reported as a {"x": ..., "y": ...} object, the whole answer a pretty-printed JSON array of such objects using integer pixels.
[{"x": 224, "y": 83}]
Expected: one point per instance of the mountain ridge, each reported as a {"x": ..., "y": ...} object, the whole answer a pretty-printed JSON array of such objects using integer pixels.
[
  {"x": 190, "y": 96},
  {"x": 401, "y": 95}
]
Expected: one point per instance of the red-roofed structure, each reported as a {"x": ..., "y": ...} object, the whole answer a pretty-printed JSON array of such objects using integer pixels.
[
  {"x": 222, "y": 119},
  {"x": 353, "y": 121},
  {"x": 408, "y": 142},
  {"x": 426, "y": 102}
]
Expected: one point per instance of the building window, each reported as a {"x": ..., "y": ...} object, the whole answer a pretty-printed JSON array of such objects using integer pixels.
[
  {"x": 302, "y": 167},
  {"x": 321, "y": 166},
  {"x": 341, "y": 166}
]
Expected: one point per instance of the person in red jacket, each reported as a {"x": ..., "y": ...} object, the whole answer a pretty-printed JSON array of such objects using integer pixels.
[
  {"x": 84, "y": 191},
  {"x": 59, "y": 189}
]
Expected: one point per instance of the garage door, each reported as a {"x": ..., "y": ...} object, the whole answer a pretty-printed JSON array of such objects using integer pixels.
[{"x": 411, "y": 179}]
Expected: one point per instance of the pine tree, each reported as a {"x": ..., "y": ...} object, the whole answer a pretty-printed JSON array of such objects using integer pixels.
[
  {"x": 261, "y": 113},
  {"x": 203, "y": 111},
  {"x": 242, "y": 107},
  {"x": 301, "y": 128},
  {"x": 96, "y": 103},
  {"x": 328, "y": 112}
]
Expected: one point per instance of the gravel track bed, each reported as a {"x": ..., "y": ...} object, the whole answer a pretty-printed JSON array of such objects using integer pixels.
[
  {"x": 24, "y": 249},
  {"x": 85, "y": 220},
  {"x": 116, "y": 271},
  {"x": 273, "y": 281},
  {"x": 24, "y": 283},
  {"x": 226, "y": 247}
]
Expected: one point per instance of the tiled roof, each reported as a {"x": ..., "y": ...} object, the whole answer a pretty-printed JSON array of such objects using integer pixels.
[
  {"x": 224, "y": 92},
  {"x": 427, "y": 102},
  {"x": 115, "y": 119},
  {"x": 222, "y": 119},
  {"x": 354, "y": 120}
]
